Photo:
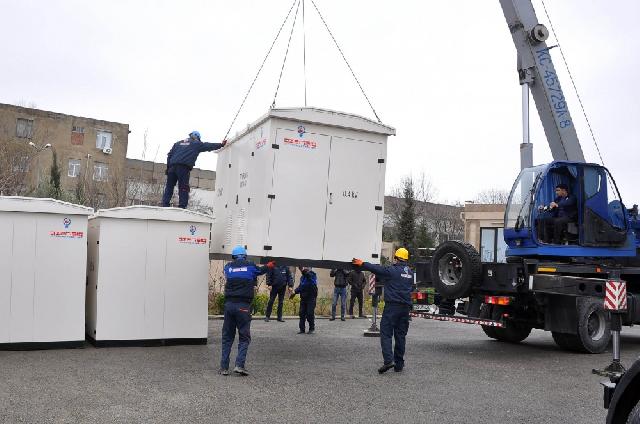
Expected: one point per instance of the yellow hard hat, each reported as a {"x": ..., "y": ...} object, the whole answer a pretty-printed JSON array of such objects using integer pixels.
[{"x": 402, "y": 253}]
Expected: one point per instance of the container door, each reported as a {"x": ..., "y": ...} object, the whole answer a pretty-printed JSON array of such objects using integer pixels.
[
  {"x": 298, "y": 197},
  {"x": 354, "y": 209}
]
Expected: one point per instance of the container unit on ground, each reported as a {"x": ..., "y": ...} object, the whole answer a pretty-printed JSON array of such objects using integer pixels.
[
  {"x": 43, "y": 262},
  {"x": 147, "y": 276},
  {"x": 302, "y": 185}
]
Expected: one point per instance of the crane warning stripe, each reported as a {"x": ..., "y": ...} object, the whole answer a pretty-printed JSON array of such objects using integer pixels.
[
  {"x": 458, "y": 319},
  {"x": 372, "y": 284},
  {"x": 615, "y": 298}
]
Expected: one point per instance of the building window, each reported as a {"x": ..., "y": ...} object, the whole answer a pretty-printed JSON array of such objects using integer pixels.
[
  {"x": 103, "y": 140},
  {"x": 77, "y": 136},
  {"x": 24, "y": 128},
  {"x": 492, "y": 245},
  {"x": 74, "y": 168},
  {"x": 100, "y": 171}
]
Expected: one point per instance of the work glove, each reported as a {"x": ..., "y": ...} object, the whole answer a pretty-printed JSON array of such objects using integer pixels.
[
  {"x": 357, "y": 262},
  {"x": 224, "y": 143},
  {"x": 271, "y": 264}
]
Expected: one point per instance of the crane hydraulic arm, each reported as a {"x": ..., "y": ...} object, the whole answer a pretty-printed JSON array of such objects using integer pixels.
[{"x": 535, "y": 68}]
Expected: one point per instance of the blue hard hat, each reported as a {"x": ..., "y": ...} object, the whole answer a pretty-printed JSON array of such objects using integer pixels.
[
  {"x": 195, "y": 134},
  {"x": 238, "y": 251}
]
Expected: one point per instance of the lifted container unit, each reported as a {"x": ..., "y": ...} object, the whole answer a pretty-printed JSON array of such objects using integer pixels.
[
  {"x": 43, "y": 262},
  {"x": 148, "y": 276},
  {"x": 303, "y": 186}
]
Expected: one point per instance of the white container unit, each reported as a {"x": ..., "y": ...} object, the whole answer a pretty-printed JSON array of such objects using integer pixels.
[
  {"x": 43, "y": 262},
  {"x": 303, "y": 184},
  {"x": 148, "y": 276}
]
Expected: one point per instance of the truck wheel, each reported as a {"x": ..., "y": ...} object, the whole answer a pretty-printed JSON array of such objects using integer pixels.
[
  {"x": 485, "y": 313},
  {"x": 634, "y": 416},
  {"x": 514, "y": 332},
  {"x": 594, "y": 329},
  {"x": 455, "y": 269}
]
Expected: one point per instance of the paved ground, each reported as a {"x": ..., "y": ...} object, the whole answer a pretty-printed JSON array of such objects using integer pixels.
[{"x": 454, "y": 374}]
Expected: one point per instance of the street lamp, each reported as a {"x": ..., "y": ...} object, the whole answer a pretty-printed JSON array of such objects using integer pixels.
[{"x": 38, "y": 150}]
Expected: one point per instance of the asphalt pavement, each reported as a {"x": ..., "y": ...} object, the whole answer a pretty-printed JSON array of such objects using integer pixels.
[{"x": 453, "y": 374}]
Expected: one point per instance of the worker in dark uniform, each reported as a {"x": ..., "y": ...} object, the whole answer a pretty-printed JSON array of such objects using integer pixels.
[
  {"x": 238, "y": 293},
  {"x": 398, "y": 282},
  {"x": 308, "y": 290},
  {"x": 339, "y": 291},
  {"x": 278, "y": 279},
  {"x": 559, "y": 213},
  {"x": 357, "y": 281},
  {"x": 180, "y": 161}
]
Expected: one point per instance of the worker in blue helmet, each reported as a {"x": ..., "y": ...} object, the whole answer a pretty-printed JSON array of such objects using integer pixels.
[
  {"x": 180, "y": 161},
  {"x": 239, "y": 290}
]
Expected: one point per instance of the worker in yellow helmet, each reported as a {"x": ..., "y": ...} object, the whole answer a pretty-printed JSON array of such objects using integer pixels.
[{"x": 398, "y": 283}]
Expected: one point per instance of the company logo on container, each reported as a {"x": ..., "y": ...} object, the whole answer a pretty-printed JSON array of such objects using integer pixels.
[
  {"x": 261, "y": 143},
  {"x": 301, "y": 131},
  {"x": 192, "y": 230},
  {"x": 66, "y": 222},
  {"x": 304, "y": 144}
]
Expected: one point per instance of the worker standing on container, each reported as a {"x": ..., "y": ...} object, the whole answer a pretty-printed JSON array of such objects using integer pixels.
[
  {"x": 398, "y": 282},
  {"x": 339, "y": 291},
  {"x": 238, "y": 293},
  {"x": 357, "y": 281},
  {"x": 180, "y": 161},
  {"x": 308, "y": 290},
  {"x": 279, "y": 279}
]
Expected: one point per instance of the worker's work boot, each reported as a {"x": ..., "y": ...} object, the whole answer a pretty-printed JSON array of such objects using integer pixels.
[
  {"x": 241, "y": 371},
  {"x": 386, "y": 367}
]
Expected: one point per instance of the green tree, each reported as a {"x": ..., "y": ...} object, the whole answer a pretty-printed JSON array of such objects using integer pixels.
[
  {"x": 55, "y": 192},
  {"x": 406, "y": 230},
  {"x": 423, "y": 237}
]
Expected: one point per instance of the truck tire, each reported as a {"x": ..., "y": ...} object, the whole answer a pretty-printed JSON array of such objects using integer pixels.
[
  {"x": 514, "y": 332},
  {"x": 455, "y": 269},
  {"x": 634, "y": 416},
  {"x": 485, "y": 313},
  {"x": 593, "y": 332}
]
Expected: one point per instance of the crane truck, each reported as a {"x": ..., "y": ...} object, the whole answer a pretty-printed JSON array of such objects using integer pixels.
[
  {"x": 558, "y": 287},
  {"x": 583, "y": 289}
]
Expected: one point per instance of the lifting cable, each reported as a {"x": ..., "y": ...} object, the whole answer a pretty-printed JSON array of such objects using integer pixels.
[
  {"x": 260, "y": 69},
  {"x": 304, "y": 54},
  {"x": 345, "y": 60},
  {"x": 566, "y": 65},
  {"x": 286, "y": 53}
]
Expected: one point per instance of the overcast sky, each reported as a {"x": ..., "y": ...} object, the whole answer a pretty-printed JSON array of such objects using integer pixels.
[{"x": 441, "y": 72}]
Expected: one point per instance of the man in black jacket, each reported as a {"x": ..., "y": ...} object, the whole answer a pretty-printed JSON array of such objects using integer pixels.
[
  {"x": 562, "y": 211},
  {"x": 180, "y": 161},
  {"x": 357, "y": 281},
  {"x": 279, "y": 279},
  {"x": 308, "y": 290},
  {"x": 339, "y": 290}
]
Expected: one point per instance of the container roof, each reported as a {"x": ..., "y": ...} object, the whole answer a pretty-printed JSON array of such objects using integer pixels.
[
  {"x": 321, "y": 116},
  {"x": 39, "y": 205},
  {"x": 153, "y": 213}
]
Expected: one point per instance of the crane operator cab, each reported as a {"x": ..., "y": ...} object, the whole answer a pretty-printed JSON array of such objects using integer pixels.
[{"x": 568, "y": 209}]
